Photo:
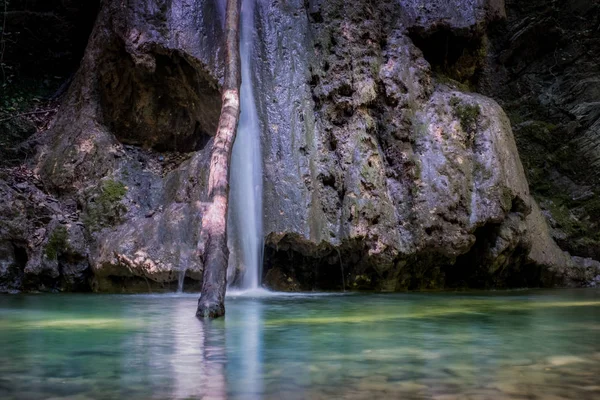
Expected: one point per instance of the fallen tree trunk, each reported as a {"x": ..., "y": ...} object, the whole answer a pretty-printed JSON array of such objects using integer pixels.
[{"x": 213, "y": 235}]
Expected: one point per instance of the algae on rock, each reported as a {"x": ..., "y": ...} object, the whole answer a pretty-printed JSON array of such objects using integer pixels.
[{"x": 104, "y": 207}]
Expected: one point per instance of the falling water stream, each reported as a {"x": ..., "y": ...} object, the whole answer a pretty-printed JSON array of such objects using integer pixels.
[
  {"x": 245, "y": 213},
  {"x": 245, "y": 197}
]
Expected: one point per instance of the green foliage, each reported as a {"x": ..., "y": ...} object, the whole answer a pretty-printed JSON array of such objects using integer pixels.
[
  {"x": 56, "y": 243},
  {"x": 21, "y": 95},
  {"x": 560, "y": 212},
  {"x": 467, "y": 114},
  {"x": 560, "y": 206},
  {"x": 112, "y": 191},
  {"x": 104, "y": 207}
]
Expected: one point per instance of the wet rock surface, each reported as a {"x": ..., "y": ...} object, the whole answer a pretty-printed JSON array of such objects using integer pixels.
[
  {"x": 127, "y": 153},
  {"x": 42, "y": 244},
  {"x": 382, "y": 171},
  {"x": 400, "y": 179}
]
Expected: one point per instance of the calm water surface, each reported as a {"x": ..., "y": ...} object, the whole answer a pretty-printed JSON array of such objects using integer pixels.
[{"x": 513, "y": 345}]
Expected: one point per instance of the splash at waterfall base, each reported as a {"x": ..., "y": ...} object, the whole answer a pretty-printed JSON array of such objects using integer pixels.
[{"x": 377, "y": 174}]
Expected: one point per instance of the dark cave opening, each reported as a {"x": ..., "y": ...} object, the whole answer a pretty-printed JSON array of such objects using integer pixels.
[
  {"x": 452, "y": 54},
  {"x": 290, "y": 270},
  {"x": 481, "y": 268},
  {"x": 14, "y": 274},
  {"x": 470, "y": 270},
  {"x": 168, "y": 104},
  {"x": 295, "y": 264},
  {"x": 21, "y": 257}
]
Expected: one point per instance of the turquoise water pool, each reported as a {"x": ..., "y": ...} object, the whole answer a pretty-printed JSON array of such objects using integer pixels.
[{"x": 493, "y": 345}]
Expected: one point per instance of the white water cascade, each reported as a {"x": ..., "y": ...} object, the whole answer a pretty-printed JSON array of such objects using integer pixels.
[{"x": 245, "y": 196}]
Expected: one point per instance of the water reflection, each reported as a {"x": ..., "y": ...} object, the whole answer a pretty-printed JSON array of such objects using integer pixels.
[
  {"x": 198, "y": 359},
  {"x": 512, "y": 345},
  {"x": 245, "y": 346}
]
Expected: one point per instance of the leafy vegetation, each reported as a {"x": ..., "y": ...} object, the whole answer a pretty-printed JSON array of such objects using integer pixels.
[{"x": 56, "y": 243}]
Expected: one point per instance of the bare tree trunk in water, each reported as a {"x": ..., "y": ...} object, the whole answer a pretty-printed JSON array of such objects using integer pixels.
[{"x": 213, "y": 236}]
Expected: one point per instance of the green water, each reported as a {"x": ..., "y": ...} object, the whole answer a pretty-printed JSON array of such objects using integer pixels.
[{"x": 514, "y": 345}]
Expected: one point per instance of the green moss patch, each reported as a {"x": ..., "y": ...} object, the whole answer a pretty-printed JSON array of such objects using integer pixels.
[
  {"x": 442, "y": 78},
  {"x": 57, "y": 242},
  {"x": 467, "y": 114},
  {"x": 112, "y": 191},
  {"x": 104, "y": 207}
]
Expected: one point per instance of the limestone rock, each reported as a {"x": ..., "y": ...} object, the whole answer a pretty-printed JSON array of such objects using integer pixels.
[
  {"x": 132, "y": 140},
  {"x": 377, "y": 173}
]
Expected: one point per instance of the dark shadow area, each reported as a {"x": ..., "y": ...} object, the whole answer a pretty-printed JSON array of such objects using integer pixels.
[
  {"x": 543, "y": 71},
  {"x": 459, "y": 55},
  {"x": 41, "y": 46},
  {"x": 138, "y": 284},
  {"x": 11, "y": 275},
  {"x": 75, "y": 273},
  {"x": 166, "y": 103},
  {"x": 289, "y": 270},
  {"x": 480, "y": 269},
  {"x": 296, "y": 265}
]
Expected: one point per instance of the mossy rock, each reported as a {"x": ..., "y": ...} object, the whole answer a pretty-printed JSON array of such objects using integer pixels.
[
  {"x": 541, "y": 131},
  {"x": 112, "y": 191},
  {"x": 574, "y": 227},
  {"x": 57, "y": 243},
  {"x": 444, "y": 79},
  {"x": 104, "y": 207},
  {"x": 467, "y": 114},
  {"x": 544, "y": 153}
]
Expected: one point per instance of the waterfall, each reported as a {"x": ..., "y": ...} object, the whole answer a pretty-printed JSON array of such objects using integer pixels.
[
  {"x": 245, "y": 197},
  {"x": 181, "y": 279}
]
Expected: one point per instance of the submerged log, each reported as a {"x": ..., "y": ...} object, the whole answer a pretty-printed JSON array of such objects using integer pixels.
[{"x": 213, "y": 235}]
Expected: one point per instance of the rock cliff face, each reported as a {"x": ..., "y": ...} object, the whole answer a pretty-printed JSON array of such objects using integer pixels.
[
  {"x": 544, "y": 68},
  {"x": 126, "y": 156},
  {"x": 381, "y": 172},
  {"x": 399, "y": 179}
]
